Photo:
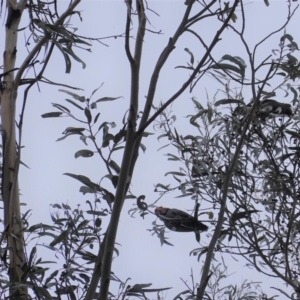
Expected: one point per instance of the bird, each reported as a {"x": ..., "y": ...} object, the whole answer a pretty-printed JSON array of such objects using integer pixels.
[
  {"x": 267, "y": 108},
  {"x": 178, "y": 220},
  {"x": 273, "y": 108}
]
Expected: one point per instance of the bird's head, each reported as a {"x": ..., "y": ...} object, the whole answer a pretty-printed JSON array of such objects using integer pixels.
[{"x": 160, "y": 210}]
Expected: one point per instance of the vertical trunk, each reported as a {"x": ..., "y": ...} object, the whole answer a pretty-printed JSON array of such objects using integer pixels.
[{"x": 10, "y": 189}]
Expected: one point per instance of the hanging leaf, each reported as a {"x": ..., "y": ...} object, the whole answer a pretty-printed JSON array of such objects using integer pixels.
[
  {"x": 66, "y": 206},
  {"x": 141, "y": 204},
  {"x": 79, "y": 41},
  {"x": 59, "y": 238},
  {"x": 202, "y": 252},
  {"x": 115, "y": 180},
  {"x": 66, "y": 56},
  {"x": 96, "y": 118},
  {"x": 114, "y": 166},
  {"x": 75, "y": 96},
  {"x": 109, "y": 197},
  {"x": 292, "y": 60},
  {"x": 281, "y": 74},
  {"x": 118, "y": 137},
  {"x": 86, "y": 190},
  {"x": 84, "y": 153},
  {"x": 143, "y": 147},
  {"x": 60, "y": 107},
  {"x": 162, "y": 135},
  {"x": 85, "y": 277},
  {"x": 88, "y": 115},
  {"x": 70, "y": 52},
  {"x": 85, "y": 180},
  {"x": 286, "y": 36},
  {"x": 165, "y": 187},
  {"x": 146, "y": 134},
  {"x": 65, "y": 136},
  {"x": 106, "y": 137},
  {"x": 42, "y": 292},
  {"x": 98, "y": 222},
  {"x": 53, "y": 275},
  {"x": 83, "y": 138},
  {"x": 293, "y": 46},
  {"x": 73, "y": 130},
  {"x": 75, "y": 104},
  {"x": 61, "y": 30},
  {"x": 112, "y": 124},
  {"x": 234, "y": 17},
  {"x": 191, "y": 54},
  {"x": 295, "y": 99},
  {"x": 227, "y": 67},
  {"x": 198, "y": 105},
  {"x": 209, "y": 114}
]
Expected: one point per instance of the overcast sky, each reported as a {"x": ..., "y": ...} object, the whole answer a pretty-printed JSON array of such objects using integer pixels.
[{"x": 141, "y": 256}]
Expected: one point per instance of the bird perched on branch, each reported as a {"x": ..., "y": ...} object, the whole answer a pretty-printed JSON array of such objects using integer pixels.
[
  {"x": 178, "y": 220},
  {"x": 273, "y": 108},
  {"x": 267, "y": 108}
]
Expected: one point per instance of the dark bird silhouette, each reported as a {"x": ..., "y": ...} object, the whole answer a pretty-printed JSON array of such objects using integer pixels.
[
  {"x": 273, "y": 108},
  {"x": 178, "y": 220},
  {"x": 267, "y": 108}
]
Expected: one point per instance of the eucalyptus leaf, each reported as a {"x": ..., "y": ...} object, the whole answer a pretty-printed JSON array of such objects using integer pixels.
[
  {"x": 228, "y": 101},
  {"x": 75, "y": 96},
  {"x": 191, "y": 54},
  {"x": 75, "y": 104},
  {"x": 52, "y": 114},
  {"x": 107, "y": 99},
  {"x": 84, "y": 153}
]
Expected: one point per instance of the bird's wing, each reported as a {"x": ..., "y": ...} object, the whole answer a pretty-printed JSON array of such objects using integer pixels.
[
  {"x": 267, "y": 108},
  {"x": 169, "y": 218},
  {"x": 176, "y": 213}
]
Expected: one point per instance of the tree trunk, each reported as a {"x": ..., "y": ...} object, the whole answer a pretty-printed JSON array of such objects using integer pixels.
[{"x": 10, "y": 188}]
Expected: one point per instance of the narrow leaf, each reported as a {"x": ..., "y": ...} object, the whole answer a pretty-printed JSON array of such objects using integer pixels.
[
  {"x": 175, "y": 173},
  {"x": 96, "y": 118},
  {"x": 75, "y": 104},
  {"x": 228, "y": 101},
  {"x": 88, "y": 115},
  {"x": 227, "y": 67},
  {"x": 60, "y": 107},
  {"x": 75, "y": 96},
  {"x": 96, "y": 213},
  {"x": 191, "y": 54},
  {"x": 107, "y": 99},
  {"x": 52, "y": 114},
  {"x": 70, "y": 51},
  {"x": 84, "y": 153}
]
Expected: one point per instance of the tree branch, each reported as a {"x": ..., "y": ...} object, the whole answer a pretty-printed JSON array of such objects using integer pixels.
[
  {"x": 225, "y": 187},
  {"x": 127, "y": 30},
  {"x": 43, "y": 40},
  {"x": 161, "y": 61},
  {"x": 145, "y": 122},
  {"x": 127, "y": 157}
]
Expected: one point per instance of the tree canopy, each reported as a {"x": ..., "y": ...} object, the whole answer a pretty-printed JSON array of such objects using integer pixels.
[{"x": 208, "y": 85}]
